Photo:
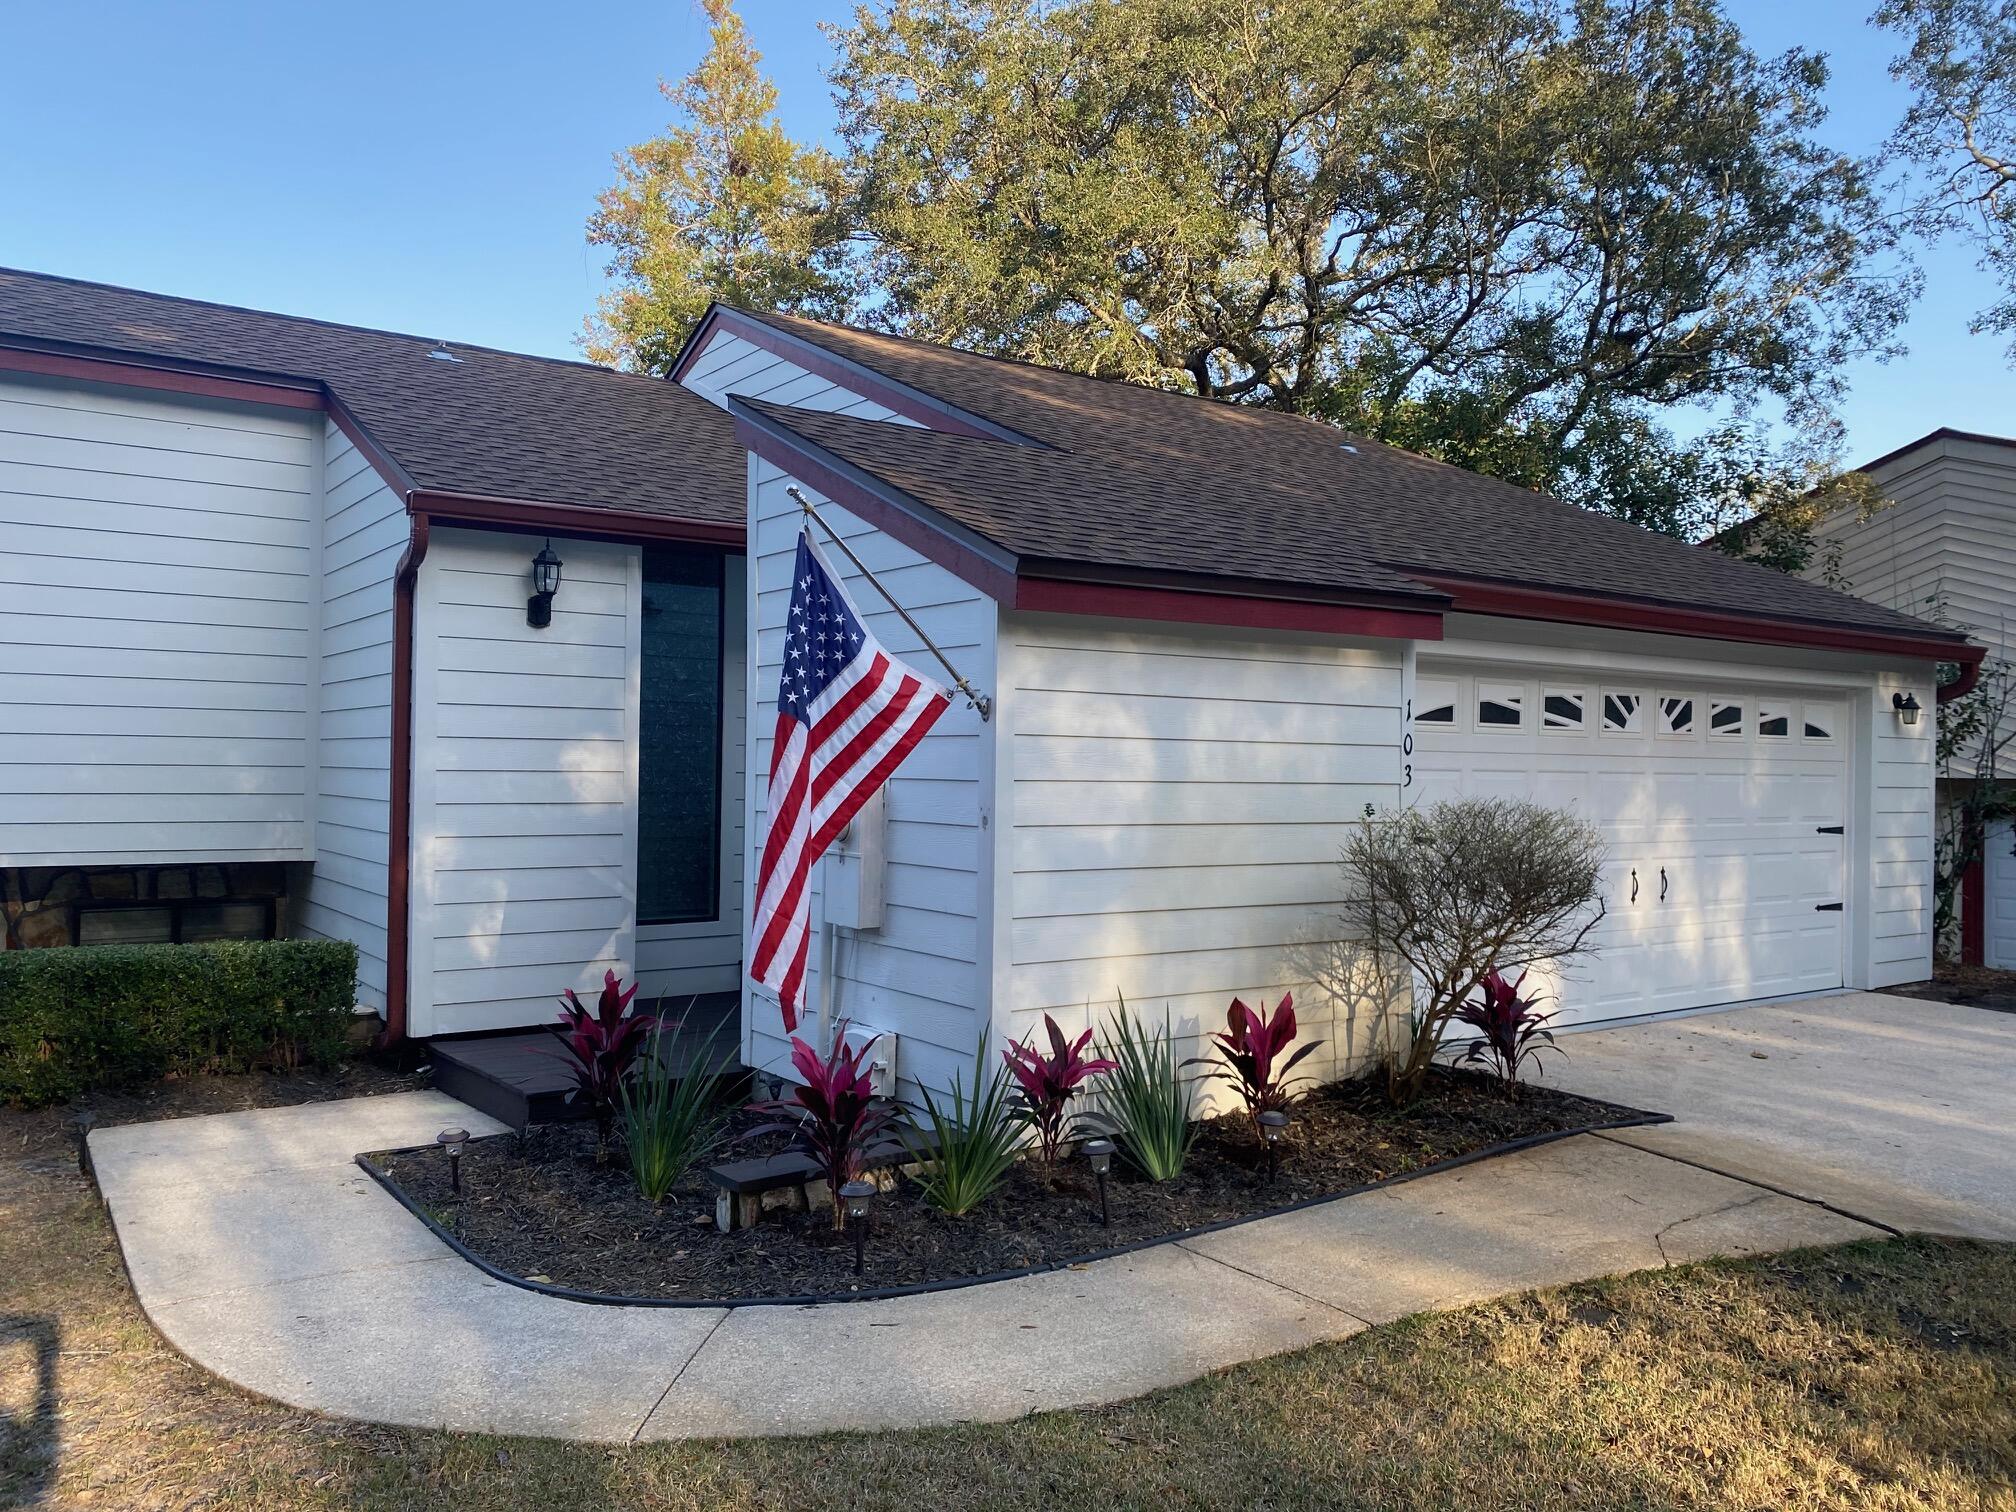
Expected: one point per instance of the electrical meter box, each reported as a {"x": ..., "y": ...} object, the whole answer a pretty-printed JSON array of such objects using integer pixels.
[{"x": 881, "y": 1056}]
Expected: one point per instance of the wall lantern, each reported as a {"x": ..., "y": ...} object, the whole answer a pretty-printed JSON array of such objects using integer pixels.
[
  {"x": 1906, "y": 705},
  {"x": 545, "y": 583}
]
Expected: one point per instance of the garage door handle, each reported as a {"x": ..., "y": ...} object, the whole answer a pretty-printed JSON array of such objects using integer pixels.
[
  {"x": 1831, "y": 829},
  {"x": 1634, "y": 884},
  {"x": 1662, "y": 884},
  {"x": 1826, "y": 908}
]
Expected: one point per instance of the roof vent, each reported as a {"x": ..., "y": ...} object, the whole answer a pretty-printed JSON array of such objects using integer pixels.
[
  {"x": 1347, "y": 446},
  {"x": 442, "y": 354}
]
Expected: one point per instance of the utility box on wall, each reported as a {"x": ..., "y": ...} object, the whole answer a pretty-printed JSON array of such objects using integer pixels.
[{"x": 854, "y": 869}]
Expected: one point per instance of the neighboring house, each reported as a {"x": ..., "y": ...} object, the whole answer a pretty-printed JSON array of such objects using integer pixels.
[
  {"x": 236, "y": 549},
  {"x": 1217, "y": 637},
  {"x": 1946, "y": 546},
  {"x": 1214, "y": 639}
]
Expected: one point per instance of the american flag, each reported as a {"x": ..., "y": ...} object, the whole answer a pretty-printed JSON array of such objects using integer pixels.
[{"x": 847, "y": 714}]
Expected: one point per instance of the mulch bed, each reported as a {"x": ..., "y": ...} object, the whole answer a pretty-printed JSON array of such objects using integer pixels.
[
  {"x": 1968, "y": 986},
  {"x": 540, "y": 1207}
]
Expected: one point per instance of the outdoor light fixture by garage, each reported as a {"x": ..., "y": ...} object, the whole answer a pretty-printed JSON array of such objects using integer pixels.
[
  {"x": 1273, "y": 1126},
  {"x": 545, "y": 583},
  {"x": 1906, "y": 705},
  {"x": 454, "y": 1141},
  {"x": 855, "y": 1197},
  {"x": 1100, "y": 1153}
]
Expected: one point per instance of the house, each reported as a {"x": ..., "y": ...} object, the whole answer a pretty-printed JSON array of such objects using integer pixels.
[
  {"x": 274, "y": 584},
  {"x": 1945, "y": 545},
  {"x": 1216, "y": 637},
  {"x": 265, "y": 583}
]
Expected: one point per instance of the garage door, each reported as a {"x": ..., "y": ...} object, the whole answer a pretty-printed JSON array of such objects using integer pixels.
[
  {"x": 1998, "y": 864},
  {"x": 1724, "y": 808}
]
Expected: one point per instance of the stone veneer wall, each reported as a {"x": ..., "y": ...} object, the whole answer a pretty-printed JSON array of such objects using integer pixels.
[{"x": 37, "y": 901}]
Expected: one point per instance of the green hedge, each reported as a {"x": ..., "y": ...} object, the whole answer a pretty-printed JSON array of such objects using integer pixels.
[{"x": 120, "y": 1015}]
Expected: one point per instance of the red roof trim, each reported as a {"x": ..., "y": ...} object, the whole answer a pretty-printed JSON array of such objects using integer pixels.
[
  {"x": 912, "y": 404},
  {"x": 1515, "y": 602},
  {"x": 129, "y": 373},
  {"x": 1186, "y": 606},
  {"x": 570, "y": 519}
]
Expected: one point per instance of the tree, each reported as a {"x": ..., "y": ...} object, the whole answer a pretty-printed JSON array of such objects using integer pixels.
[
  {"x": 1505, "y": 232},
  {"x": 1974, "y": 732},
  {"x": 1961, "y": 130},
  {"x": 1459, "y": 889},
  {"x": 723, "y": 206}
]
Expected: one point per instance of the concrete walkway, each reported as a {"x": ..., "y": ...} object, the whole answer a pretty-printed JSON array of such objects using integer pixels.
[
  {"x": 1897, "y": 1109},
  {"x": 263, "y": 1254}
]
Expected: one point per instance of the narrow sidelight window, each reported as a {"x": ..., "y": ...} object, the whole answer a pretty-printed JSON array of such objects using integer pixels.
[{"x": 679, "y": 739}]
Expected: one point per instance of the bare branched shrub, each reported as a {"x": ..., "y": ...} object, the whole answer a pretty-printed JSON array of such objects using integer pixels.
[{"x": 1460, "y": 888}]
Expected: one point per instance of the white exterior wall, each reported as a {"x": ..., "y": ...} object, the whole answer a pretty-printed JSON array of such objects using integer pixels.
[
  {"x": 155, "y": 600},
  {"x": 524, "y": 780},
  {"x": 364, "y": 529},
  {"x": 1174, "y": 801}
]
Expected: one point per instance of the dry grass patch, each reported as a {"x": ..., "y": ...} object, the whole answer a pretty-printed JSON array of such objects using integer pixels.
[{"x": 1870, "y": 1376}]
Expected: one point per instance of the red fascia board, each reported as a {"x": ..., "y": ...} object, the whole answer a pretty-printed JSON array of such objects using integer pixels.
[
  {"x": 1186, "y": 606},
  {"x": 912, "y": 404},
  {"x": 130, "y": 372},
  {"x": 532, "y": 516},
  {"x": 382, "y": 461},
  {"x": 1514, "y": 602}
]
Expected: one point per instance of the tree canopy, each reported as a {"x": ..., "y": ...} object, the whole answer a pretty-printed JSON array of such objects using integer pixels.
[
  {"x": 724, "y": 205},
  {"x": 1961, "y": 130}
]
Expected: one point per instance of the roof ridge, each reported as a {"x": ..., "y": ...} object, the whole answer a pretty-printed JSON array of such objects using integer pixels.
[{"x": 312, "y": 320}]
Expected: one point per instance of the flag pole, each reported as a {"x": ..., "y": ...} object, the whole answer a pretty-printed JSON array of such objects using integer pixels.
[{"x": 978, "y": 700}]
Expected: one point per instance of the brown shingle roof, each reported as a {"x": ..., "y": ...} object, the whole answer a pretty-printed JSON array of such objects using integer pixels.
[
  {"x": 494, "y": 423},
  {"x": 1146, "y": 478}
]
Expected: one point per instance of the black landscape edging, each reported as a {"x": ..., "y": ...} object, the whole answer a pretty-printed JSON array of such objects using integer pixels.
[{"x": 1634, "y": 1119}]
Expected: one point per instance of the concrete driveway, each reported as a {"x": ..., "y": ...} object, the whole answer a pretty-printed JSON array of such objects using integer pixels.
[{"x": 1895, "y": 1110}]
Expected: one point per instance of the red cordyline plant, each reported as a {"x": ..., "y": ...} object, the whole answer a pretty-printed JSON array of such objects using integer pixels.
[
  {"x": 1046, "y": 1083},
  {"x": 833, "y": 1117},
  {"x": 1510, "y": 1032},
  {"x": 1248, "y": 1055},
  {"x": 601, "y": 1048}
]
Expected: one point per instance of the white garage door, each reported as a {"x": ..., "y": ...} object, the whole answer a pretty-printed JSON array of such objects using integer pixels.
[
  {"x": 1724, "y": 808},
  {"x": 1999, "y": 868}
]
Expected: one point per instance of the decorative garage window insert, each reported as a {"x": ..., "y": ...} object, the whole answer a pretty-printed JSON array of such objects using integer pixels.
[
  {"x": 1774, "y": 722},
  {"x": 1562, "y": 709},
  {"x": 1621, "y": 712},
  {"x": 1676, "y": 715},
  {"x": 1435, "y": 701},
  {"x": 1725, "y": 718},
  {"x": 1819, "y": 721},
  {"x": 1501, "y": 706}
]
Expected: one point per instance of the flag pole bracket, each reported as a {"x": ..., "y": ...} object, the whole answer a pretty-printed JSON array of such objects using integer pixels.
[{"x": 978, "y": 701}]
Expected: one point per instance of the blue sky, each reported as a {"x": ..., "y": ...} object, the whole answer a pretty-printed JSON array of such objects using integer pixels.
[{"x": 429, "y": 167}]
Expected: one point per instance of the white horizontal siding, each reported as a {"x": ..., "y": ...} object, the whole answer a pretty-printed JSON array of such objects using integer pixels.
[
  {"x": 1176, "y": 801},
  {"x": 156, "y": 593},
  {"x": 363, "y": 532},
  {"x": 524, "y": 789}
]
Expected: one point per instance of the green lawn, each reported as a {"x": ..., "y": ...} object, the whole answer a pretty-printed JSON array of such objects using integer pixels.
[{"x": 1879, "y": 1375}]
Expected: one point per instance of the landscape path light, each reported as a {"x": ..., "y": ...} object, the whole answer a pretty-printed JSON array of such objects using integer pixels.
[
  {"x": 1274, "y": 1128},
  {"x": 855, "y": 1198},
  {"x": 1100, "y": 1153},
  {"x": 454, "y": 1141}
]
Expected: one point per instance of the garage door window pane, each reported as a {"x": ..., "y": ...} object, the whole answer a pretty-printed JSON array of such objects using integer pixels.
[
  {"x": 1434, "y": 701},
  {"x": 1725, "y": 719},
  {"x": 1621, "y": 712},
  {"x": 1773, "y": 722},
  {"x": 1500, "y": 705},
  {"x": 1676, "y": 716},
  {"x": 1562, "y": 710},
  {"x": 1819, "y": 721}
]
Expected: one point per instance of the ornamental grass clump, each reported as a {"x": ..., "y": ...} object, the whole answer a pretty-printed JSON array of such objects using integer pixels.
[
  {"x": 1510, "y": 1030},
  {"x": 973, "y": 1139},
  {"x": 834, "y": 1117},
  {"x": 1248, "y": 1054},
  {"x": 1045, "y": 1084},
  {"x": 1147, "y": 1097},
  {"x": 601, "y": 1048},
  {"x": 671, "y": 1110}
]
